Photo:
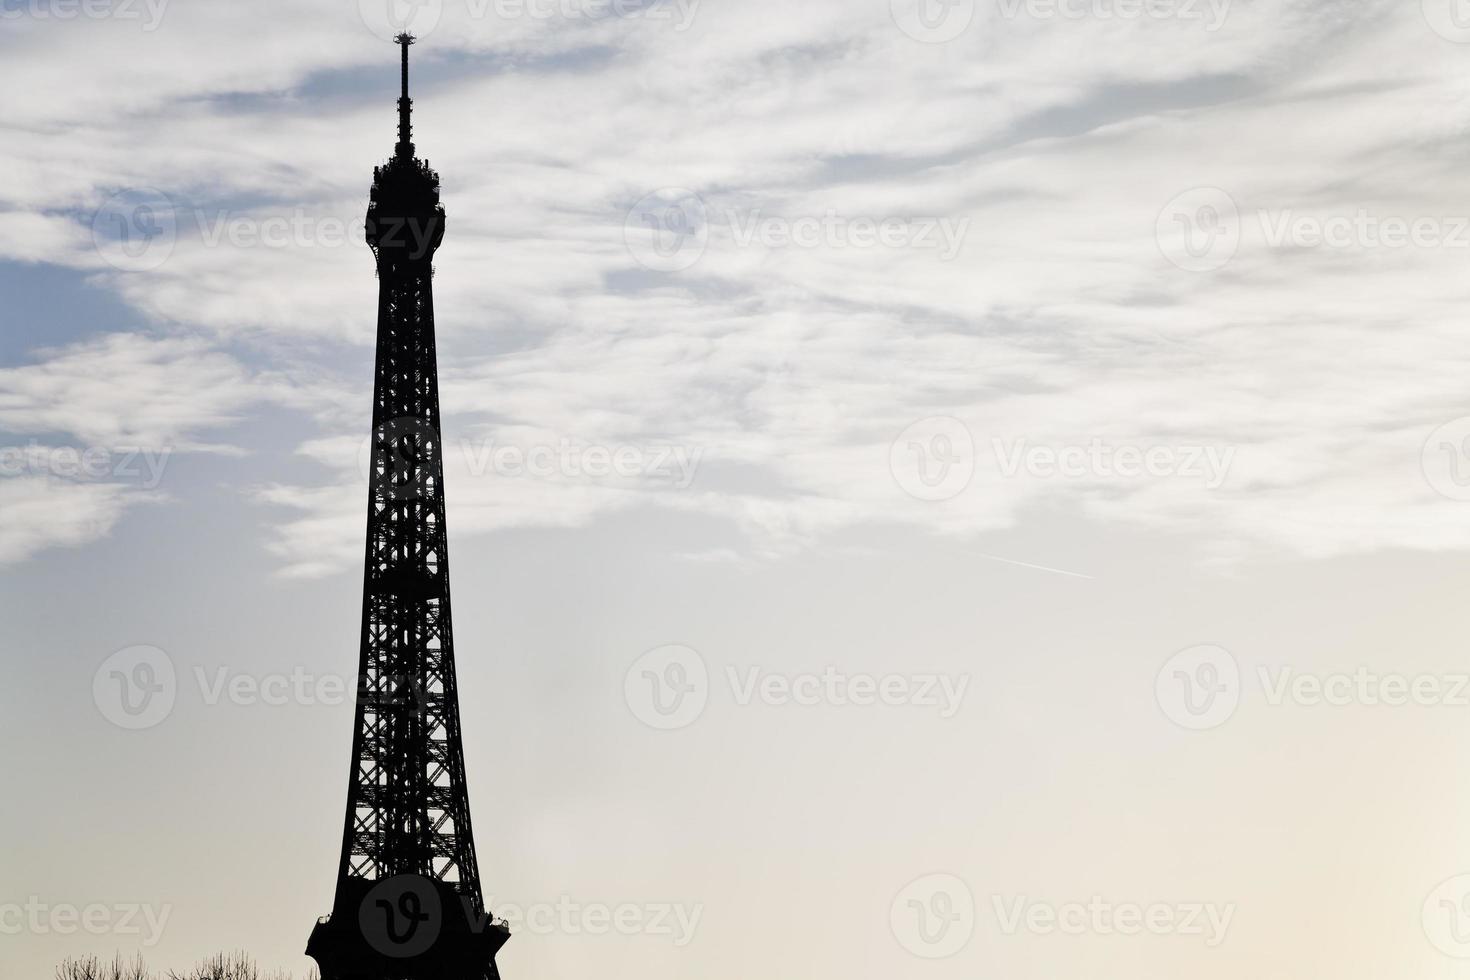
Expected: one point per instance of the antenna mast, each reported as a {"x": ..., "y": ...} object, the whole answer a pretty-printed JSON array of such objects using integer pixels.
[{"x": 405, "y": 104}]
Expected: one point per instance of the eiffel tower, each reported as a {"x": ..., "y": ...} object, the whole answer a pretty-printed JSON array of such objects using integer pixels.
[{"x": 408, "y": 903}]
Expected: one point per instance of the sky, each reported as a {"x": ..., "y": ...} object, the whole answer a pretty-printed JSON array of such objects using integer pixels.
[{"x": 938, "y": 488}]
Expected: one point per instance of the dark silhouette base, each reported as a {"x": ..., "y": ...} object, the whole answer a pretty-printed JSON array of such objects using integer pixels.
[{"x": 409, "y": 928}]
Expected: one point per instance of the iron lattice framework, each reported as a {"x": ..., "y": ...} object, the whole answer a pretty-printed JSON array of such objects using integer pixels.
[{"x": 407, "y": 846}]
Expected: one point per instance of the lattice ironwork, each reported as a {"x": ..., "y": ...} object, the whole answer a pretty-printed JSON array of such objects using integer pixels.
[{"x": 407, "y": 844}]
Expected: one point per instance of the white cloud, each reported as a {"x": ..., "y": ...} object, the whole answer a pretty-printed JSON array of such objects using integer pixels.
[
  {"x": 1050, "y": 147},
  {"x": 37, "y": 513},
  {"x": 129, "y": 390},
  {"x": 89, "y": 430}
]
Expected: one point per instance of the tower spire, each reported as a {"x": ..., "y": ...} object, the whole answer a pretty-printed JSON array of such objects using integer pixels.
[{"x": 405, "y": 104}]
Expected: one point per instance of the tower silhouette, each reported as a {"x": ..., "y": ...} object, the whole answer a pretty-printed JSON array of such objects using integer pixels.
[{"x": 408, "y": 904}]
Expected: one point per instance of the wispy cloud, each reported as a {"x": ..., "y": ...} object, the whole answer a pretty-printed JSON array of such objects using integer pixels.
[
  {"x": 88, "y": 430},
  {"x": 872, "y": 233},
  {"x": 38, "y": 513}
]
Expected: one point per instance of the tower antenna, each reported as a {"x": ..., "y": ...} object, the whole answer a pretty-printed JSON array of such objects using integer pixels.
[{"x": 405, "y": 104}]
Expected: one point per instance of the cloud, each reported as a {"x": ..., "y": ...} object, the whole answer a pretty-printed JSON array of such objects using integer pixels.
[
  {"x": 882, "y": 233},
  {"x": 93, "y": 427},
  {"x": 129, "y": 390},
  {"x": 37, "y": 513}
]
